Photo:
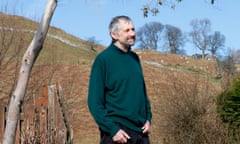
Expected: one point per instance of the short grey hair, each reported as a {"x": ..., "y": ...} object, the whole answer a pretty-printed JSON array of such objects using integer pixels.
[{"x": 114, "y": 24}]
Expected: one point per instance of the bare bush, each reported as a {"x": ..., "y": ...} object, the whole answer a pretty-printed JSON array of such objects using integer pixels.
[
  {"x": 189, "y": 115},
  {"x": 11, "y": 44}
]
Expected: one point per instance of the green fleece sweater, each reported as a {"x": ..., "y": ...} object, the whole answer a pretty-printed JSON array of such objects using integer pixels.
[{"x": 117, "y": 92}]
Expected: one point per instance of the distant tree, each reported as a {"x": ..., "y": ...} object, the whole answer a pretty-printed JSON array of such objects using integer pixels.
[
  {"x": 215, "y": 42},
  {"x": 228, "y": 66},
  {"x": 28, "y": 60},
  {"x": 200, "y": 33},
  {"x": 236, "y": 56},
  {"x": 175, "y": 39},
  {"x": 148, "y": 35},
  {"x": 92, "y": 42}
]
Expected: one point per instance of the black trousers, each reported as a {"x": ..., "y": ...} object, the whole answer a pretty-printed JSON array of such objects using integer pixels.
[{"x": 136, "y": 137}]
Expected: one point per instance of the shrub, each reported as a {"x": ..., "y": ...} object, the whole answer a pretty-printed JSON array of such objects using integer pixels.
[
  {"x": 229, "y": 109},
  {"x": 189, "y": 115}
]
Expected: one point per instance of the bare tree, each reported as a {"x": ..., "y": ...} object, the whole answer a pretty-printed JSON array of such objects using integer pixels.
[
  {"x": 228, "y": 66},
  {"x": 154, "y": 5},
  {"x": 11, "y": 43},
  {"x": 215, "y": 42},
  {"x": 92, "y": 42},
  {"x": 28, "y": 60},
  {"x": 200, "y": 33},
  {"x": 175, "y": 39},
  {"x": 148, "y": 36},
  {"x": 236, "y": 57}
]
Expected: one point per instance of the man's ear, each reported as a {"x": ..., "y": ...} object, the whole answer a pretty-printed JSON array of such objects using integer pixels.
[{"x": 114, "y": 35}]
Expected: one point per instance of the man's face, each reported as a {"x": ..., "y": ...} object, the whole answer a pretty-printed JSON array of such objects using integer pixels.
[{"x": 126, "y": 34}]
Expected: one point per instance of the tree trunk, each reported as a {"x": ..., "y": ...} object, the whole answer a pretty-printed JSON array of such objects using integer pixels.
[{"x": 27, "y": 63}]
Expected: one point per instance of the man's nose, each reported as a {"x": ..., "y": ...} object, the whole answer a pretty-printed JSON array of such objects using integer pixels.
[{"x": 133, "y": 33}]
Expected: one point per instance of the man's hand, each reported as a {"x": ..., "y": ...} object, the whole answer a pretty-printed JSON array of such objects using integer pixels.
[
  {"x": 121, "y": 137},
  {"x": 146, "y": 127}
]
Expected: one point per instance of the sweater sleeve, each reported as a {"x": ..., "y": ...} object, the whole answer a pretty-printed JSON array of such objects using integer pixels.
[
  {"x": 96, "y": 98},
  {"x": 148, "y": 105}
]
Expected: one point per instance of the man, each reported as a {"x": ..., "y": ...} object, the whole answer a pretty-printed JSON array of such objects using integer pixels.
[{"x": 117, "y": 96}]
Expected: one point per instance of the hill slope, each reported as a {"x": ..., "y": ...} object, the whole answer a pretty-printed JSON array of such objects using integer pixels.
[{"x": 68, "y": 59}]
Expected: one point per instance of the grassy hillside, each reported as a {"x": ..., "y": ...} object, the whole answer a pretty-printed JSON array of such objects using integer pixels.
[{"x": 70, "y": 63}]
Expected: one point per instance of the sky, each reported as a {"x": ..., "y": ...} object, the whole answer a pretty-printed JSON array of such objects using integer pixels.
[{"x": 90, "y": 18}]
